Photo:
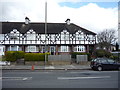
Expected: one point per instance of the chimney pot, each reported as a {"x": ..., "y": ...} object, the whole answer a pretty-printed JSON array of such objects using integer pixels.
[{"x": 68, "y": 21}]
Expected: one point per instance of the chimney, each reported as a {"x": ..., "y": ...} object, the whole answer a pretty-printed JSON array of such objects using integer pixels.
[
  {"x": 68, "y": 21},
  {"x": 27, "y": 20}
]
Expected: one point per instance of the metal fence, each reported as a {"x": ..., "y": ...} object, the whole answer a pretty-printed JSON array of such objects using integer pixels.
[
  {"x": 59, "y": 57},
  {"x": 82, "y": 58}
]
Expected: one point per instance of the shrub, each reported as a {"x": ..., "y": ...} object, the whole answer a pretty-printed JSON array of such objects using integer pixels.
[
  {"x": 14, "y": 55},
  {"x": 35, "y": 56},
  {"x": 102, "y": 53},
  {"x": 114, "y": 57}
]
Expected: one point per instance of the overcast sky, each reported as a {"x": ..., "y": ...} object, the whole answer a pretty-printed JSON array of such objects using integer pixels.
[{"x": 94, "y": 16}]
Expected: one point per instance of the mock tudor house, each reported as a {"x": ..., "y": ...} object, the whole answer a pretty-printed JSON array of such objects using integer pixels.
[{"x": 60, "y": 38}]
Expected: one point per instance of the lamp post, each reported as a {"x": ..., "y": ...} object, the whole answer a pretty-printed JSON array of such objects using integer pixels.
[{"x": 45, "y": 31}]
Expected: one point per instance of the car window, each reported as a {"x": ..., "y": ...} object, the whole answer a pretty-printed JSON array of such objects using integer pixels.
[
  {"x": 104, "y": 61},
  {"x": 94, "y": 60},
  {"x": 111, "y": 61}
]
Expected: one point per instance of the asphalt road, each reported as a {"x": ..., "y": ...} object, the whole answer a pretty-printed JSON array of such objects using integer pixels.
[{"x": 59, "y": 79}]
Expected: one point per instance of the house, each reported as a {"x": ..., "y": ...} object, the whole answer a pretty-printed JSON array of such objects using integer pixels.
[{"x": 60, "y": 38}]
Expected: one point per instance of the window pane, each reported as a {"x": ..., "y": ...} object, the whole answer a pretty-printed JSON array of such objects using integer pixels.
[
  {"x": 31, "y": 49},
  {"x": 42, "y": 37},
  {"x": 13, "y": 48},
  {"x": 1, "y": 36},
  {"x": 79, "y": 49},
  {"x": 110, "y": 61},
  {"x": 52, "y": 37},
  {"x": 64, "y": 49},
  {"x": 31, "y": 36}
]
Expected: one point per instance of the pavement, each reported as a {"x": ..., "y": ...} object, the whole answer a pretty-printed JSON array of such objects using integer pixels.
[{"x": 46, "y": 67}]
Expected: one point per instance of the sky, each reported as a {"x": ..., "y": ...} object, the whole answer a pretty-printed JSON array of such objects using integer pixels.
[{"x": 93, "y": 15}]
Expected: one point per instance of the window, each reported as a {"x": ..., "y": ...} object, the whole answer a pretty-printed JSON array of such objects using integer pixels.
[
  {"x": 42, "y": 37},
  {"x": 1, "y": 36},
  {"x": 31, "y": 35},
  {"x": 31, "y": 49},
  {"x": 64, "y": 49},
  {"x": 52, "y": 36},
  {"x": 14, "y": 35},
  {"x": 64, "y": 35},
  {"x": 44, "y": 49},
  {"x": 79, "y": 35},
  {"x": 79, "y": 49},
  {"x": 13, "y": 48},
  {"x": 91, "y": 37},
  {"x": 111, "y": 61},
  {"x": 104, "y": 61}
]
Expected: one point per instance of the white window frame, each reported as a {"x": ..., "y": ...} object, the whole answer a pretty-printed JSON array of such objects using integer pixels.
[
  {"x": 42, "y": 36},
  {"x": 79, "y": 48},
  {"x": 79, "y": 35},
  {"x": 1, "y": 36},
  {"x": 14, "y": 35},
  {"x": 31, "y": 49},
  {"x": 11, "y": 48},
  {"x": 64, "y": 48},
  {"x": 65, "y": 35},
  {"x": 31, "y": 35},
  {"x": 52, "y": 36}
]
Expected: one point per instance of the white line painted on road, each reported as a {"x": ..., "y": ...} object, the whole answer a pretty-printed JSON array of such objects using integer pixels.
[
  {"x": 15, "y": 78},
  {"x": 50, "y": 67},
  {"x": 67, "y": 78}
]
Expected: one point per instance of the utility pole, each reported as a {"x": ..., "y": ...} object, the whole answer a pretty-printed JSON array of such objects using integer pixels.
[{"x": 45, "y": 31}]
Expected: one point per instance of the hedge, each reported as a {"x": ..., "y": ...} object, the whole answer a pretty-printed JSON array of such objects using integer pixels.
[
  {"x": 35, "y": 56},
  {"x": 14, "y": 55},
  {"x": 74, "y": 54},
  {"x": 102, "y": 53}
]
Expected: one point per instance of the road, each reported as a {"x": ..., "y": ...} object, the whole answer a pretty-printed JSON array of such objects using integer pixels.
[{"x": 59, "y": 79}]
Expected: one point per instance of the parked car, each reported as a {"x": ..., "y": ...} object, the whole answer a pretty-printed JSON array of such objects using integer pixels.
[
  {"x": 104, "y": 64},
  {"x": 4, "y": 63}
]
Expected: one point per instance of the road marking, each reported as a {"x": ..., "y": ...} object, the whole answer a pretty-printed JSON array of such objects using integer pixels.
[
  {"x": 15, "y": 78},
  {"x": 67, "y": 78},
  {"x": 50, "y": 67}
]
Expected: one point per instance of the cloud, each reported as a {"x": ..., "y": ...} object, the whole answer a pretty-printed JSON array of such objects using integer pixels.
[{"x": 90, "y": 16}]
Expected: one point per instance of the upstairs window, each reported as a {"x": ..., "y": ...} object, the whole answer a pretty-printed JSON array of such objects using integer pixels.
[
  {"x": 79, "y": 35},
  {"x": 64, "y": 35},
  {"x": 52, "y": 36},
  {"x": 1, "y": 36},
  {"x": 14, "y": 35},
  {"x": 31, "y": 35},
  {"x": 42, "y": 36}
]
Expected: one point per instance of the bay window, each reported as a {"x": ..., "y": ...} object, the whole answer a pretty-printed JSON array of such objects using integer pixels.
[
  {"x": 64, "y": 49},
  {"x": 79, "y": 48}
]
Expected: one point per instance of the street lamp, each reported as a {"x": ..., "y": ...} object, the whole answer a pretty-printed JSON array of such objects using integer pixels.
[{"x": 45, "y": 31}]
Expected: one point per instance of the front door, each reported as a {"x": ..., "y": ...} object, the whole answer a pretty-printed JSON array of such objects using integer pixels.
[{"x": 52, "y": 50}]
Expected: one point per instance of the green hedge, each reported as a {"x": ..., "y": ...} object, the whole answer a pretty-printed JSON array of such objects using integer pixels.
[
  {"x": 35, "y": 56},
  {"x": 14, "y": 55},
  {"x": 102, "y": 53},
  {"x": 74, "y": 54}
]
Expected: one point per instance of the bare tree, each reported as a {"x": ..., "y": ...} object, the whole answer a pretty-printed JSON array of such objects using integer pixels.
[{"x": 106, "y": 38}]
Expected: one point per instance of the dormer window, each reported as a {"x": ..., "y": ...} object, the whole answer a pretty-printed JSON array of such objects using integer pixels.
[
  {"x": 14, "y": 35},
  {"x": 31, "y": 35},
  {"x": 79, "y": 35},
  {"x": 64, "y": 35}
]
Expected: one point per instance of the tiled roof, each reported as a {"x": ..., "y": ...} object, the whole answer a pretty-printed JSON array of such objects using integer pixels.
[{"x": 52, "y": 28}]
